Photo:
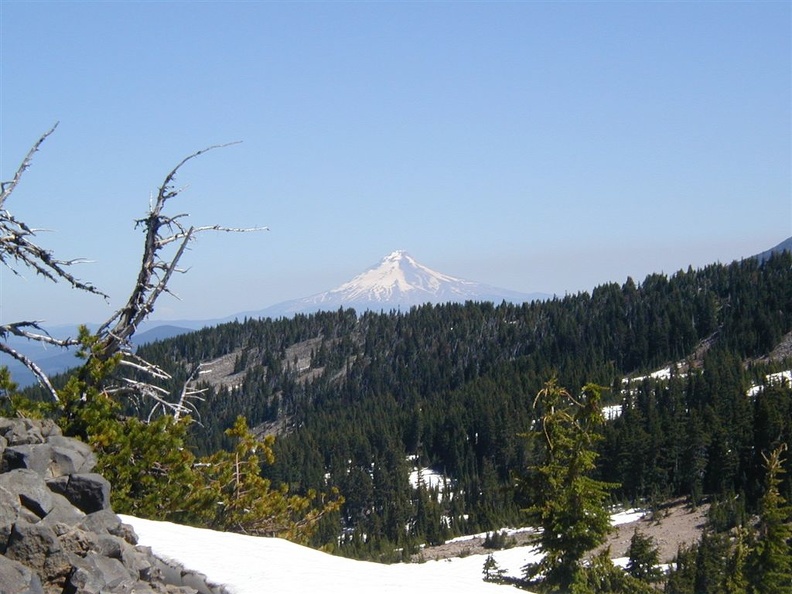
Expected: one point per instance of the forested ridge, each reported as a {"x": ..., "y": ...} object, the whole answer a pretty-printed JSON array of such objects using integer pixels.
[{"x": 358, "y": 400}]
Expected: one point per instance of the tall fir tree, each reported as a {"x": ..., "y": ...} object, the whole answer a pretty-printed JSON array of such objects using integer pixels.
[
  {"x": 566, "y": 502},
  {"x": 771, "y": 560}
]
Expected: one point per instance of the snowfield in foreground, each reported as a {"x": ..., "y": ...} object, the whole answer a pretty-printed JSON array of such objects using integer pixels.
[{"x": 251, "y": 565}]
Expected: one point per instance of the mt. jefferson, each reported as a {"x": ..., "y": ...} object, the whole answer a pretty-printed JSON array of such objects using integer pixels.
[{"x": 397, "y": 281}]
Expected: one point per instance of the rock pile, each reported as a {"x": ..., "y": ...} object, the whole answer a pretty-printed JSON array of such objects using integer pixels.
[{"x": 57, "y": 531}]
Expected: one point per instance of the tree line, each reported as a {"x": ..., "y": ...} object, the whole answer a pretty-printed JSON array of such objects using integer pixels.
[{"x": 450, "y": 387}]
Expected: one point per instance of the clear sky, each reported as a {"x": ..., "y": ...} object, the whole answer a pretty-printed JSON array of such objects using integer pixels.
[{"x": 535, "y": 146}]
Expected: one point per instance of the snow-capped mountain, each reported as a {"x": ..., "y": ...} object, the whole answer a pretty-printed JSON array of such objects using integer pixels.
[{"x": 398, "y": 281}]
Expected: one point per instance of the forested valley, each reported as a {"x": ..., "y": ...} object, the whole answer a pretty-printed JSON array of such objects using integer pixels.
[{"x": 357, "y": 401}]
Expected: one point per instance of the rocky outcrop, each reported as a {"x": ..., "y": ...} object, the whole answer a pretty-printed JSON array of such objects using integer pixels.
[{"x": 58, "y": 533}]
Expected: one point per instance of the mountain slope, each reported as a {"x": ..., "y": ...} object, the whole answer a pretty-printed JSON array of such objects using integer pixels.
[
  {"x": 784, "y": 246},
  {"x": 398, "y": 281},
  {"x": 358, "y": 400}
]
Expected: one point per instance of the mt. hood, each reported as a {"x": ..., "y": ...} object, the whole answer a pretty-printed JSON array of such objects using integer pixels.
[{"x": 398, "y": 281}]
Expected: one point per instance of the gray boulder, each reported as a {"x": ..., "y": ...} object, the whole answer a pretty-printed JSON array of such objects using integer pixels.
[
  {"x": 38, "y": 547},
  {"x": 63, "y": 512},
  {"x": 22, "y": 431},
  {"x": 9, "y": 514},
  {"x": 88, "y": 492},
  {"x": 30, "y": 488},
  {"x": 36, "y": 457},
  {"x": 59, "y": 456},
  {"x": 58, "y": 534},
  {"x": 95, "y": 574},
  {"x": 107, "y": 522},
  {"x": 18, "y": 579},
  {"x": 71, "y": 456}
]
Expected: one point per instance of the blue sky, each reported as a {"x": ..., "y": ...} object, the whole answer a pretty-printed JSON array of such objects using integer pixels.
[{"x": 536, "y": 146}]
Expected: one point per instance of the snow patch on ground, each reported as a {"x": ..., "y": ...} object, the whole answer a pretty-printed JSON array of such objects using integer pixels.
[
  {"x": 661, "y": 374},
  {"x": 251, "y": 565},
  {"x": 627, "y": 516},
  {"x": 508, "y": 531},
  {"x": 429, "y": 478},
  {"x": 780, "y": 378}
]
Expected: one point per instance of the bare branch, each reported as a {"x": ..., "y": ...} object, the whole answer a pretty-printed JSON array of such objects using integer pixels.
[
  {"x": 18, "y": 329},
  {"x": 140, "y": 364},
  {"x": 6, "y": 188},
  {"x": 154, "y": 275},
  {"x": 166, "y": 240},
  {"x": 141, "y": 301},
  {"x": 155, "y": 270},
  {"x": 21, "y": 329},
  {"x": 18, "y": 249},
  {"x": 157, "y": 394},
  {"x": 31, "y": 365},
  {"x": 188, "y": 394}
]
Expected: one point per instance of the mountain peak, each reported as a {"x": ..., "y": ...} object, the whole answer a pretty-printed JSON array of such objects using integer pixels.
[
  {"x": 397, "y": 255},
  {"x": 397, "y": 275},
  {"x": 398, "y": 281},
  {"x": 401, "y": 257}
]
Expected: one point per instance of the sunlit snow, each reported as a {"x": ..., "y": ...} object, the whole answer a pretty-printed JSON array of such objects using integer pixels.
[
  {"x": 780, "y": 378},
  {"x": 661, "y": 374},
  {"x": 612, "y": 412},
  {"x": 429, "y": 478},
  {"x": 627, "y": 516},
  {"x": 390, "y": 277},
  {"x": 507, "y": 531},
  {"x": 251, "y": 565}
]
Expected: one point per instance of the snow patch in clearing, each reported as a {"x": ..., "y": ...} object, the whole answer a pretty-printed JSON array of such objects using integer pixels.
[
  {"x": 429, "y": 478},
  {"x": 508, "y": 531},
  {"x": 662, "y": 374},
  {"x": 780, "y": 378},
  {"x": 612, "y": 412},
  {"x": 627, "y": 516}
]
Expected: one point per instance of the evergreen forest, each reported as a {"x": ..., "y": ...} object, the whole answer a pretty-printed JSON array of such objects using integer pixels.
[
  {"x": 687, "y": 369},
  {"x": 331, "y": 429},
  {"x": 357, "y": 401}
]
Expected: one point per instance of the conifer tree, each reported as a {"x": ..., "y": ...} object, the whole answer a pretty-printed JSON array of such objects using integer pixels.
[
  {"x": 601, "y": 576},
  {"x": 566, "y": 502},
  {"x": 682, "y": 575},
  {"x": 492, "y": 571},
  {"x": 712, "y": 554},
  {"x": 644, "y": 558},
  {"x": 147, "y": 463},
  {"x": 735, "y": 581},
  {"x": 771, "y": 560},
  {"x": 230, "y": 493}
]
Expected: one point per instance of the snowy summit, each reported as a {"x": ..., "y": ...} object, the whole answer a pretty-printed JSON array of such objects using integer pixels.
[
  {"x": 398, "y": 281},
  {"x": 400, "y": 277}
]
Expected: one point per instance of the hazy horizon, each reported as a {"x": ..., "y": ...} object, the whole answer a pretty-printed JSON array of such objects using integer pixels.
[{"x": 538, "y": 147}]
